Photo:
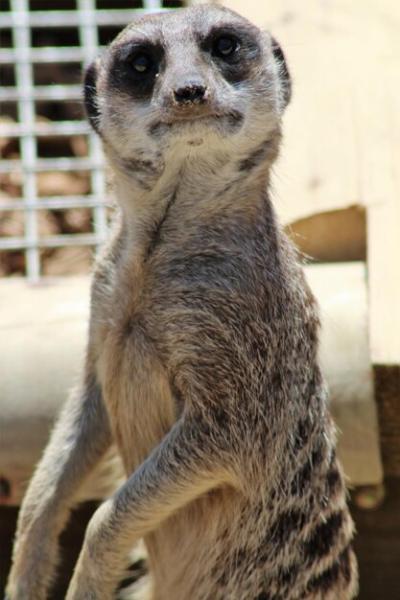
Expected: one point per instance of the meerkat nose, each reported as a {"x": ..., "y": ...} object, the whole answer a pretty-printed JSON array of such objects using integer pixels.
[{"x": 191, "y": 93}]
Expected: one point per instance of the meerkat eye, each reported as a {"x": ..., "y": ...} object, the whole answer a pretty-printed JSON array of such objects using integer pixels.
[
  {"x": 142, "y": 63},
  {"x": 225, "y": 46}
]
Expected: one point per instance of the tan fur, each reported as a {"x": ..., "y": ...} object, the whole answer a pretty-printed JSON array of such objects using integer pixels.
[{"x": 202, "y": 354}]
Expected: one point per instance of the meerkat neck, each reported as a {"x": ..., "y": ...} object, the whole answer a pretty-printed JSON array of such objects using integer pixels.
[{"x": 191, "y": 192}]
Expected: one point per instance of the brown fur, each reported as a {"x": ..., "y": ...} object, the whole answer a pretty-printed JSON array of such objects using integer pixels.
[{"x": 202, "y": 356}]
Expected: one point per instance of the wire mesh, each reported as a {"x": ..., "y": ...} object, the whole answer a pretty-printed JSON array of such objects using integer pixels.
[{"x": 42, "y": 53}]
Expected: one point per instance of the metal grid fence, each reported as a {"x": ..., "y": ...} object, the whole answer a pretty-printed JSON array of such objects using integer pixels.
[{"x": 84, "y": 18}]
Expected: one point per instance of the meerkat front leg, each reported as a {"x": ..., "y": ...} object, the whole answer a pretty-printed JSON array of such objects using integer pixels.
[
  {"x": 184, "y": 466},
  {"x": 80, "y": 438}
]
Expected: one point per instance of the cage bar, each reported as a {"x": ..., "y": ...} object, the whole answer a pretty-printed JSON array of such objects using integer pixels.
[{"x": 26, "y": 113}]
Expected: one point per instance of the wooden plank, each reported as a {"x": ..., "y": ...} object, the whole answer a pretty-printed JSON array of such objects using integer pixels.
[
  {"x": 377, "y": 122},
  {"x": 383, "y": 229},
  {"x": 377, "y": 546},
  {"x": 387, "y": 393}
]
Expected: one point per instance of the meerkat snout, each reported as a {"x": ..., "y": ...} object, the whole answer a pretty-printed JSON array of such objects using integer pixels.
[{"x": 191, "y": 93}]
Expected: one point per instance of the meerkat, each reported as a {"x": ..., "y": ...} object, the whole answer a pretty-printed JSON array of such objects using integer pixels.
[{"x": 202, "y": 359}]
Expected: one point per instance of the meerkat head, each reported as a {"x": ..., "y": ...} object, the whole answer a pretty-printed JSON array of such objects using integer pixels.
[{"x": 202, "y": 79}]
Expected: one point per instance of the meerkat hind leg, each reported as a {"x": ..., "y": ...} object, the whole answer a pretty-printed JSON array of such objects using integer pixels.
[{"x": 78, "y": 442}]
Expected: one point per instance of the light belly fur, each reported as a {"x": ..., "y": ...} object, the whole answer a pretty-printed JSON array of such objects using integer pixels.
[{"x": 137, "y": 394}]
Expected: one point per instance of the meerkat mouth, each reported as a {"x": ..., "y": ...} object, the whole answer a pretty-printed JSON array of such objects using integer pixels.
[{"x": 233, "y": 119}]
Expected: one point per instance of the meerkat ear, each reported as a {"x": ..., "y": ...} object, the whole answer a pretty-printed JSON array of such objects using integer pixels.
[
  {"x": 283, "y": 71},
  {"x": 90, "y": 94}
]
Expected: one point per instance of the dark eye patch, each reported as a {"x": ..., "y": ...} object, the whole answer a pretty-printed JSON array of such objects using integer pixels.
[
  {"x": 134, "y": 68},
  {"x": 233, "y": 49}
]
